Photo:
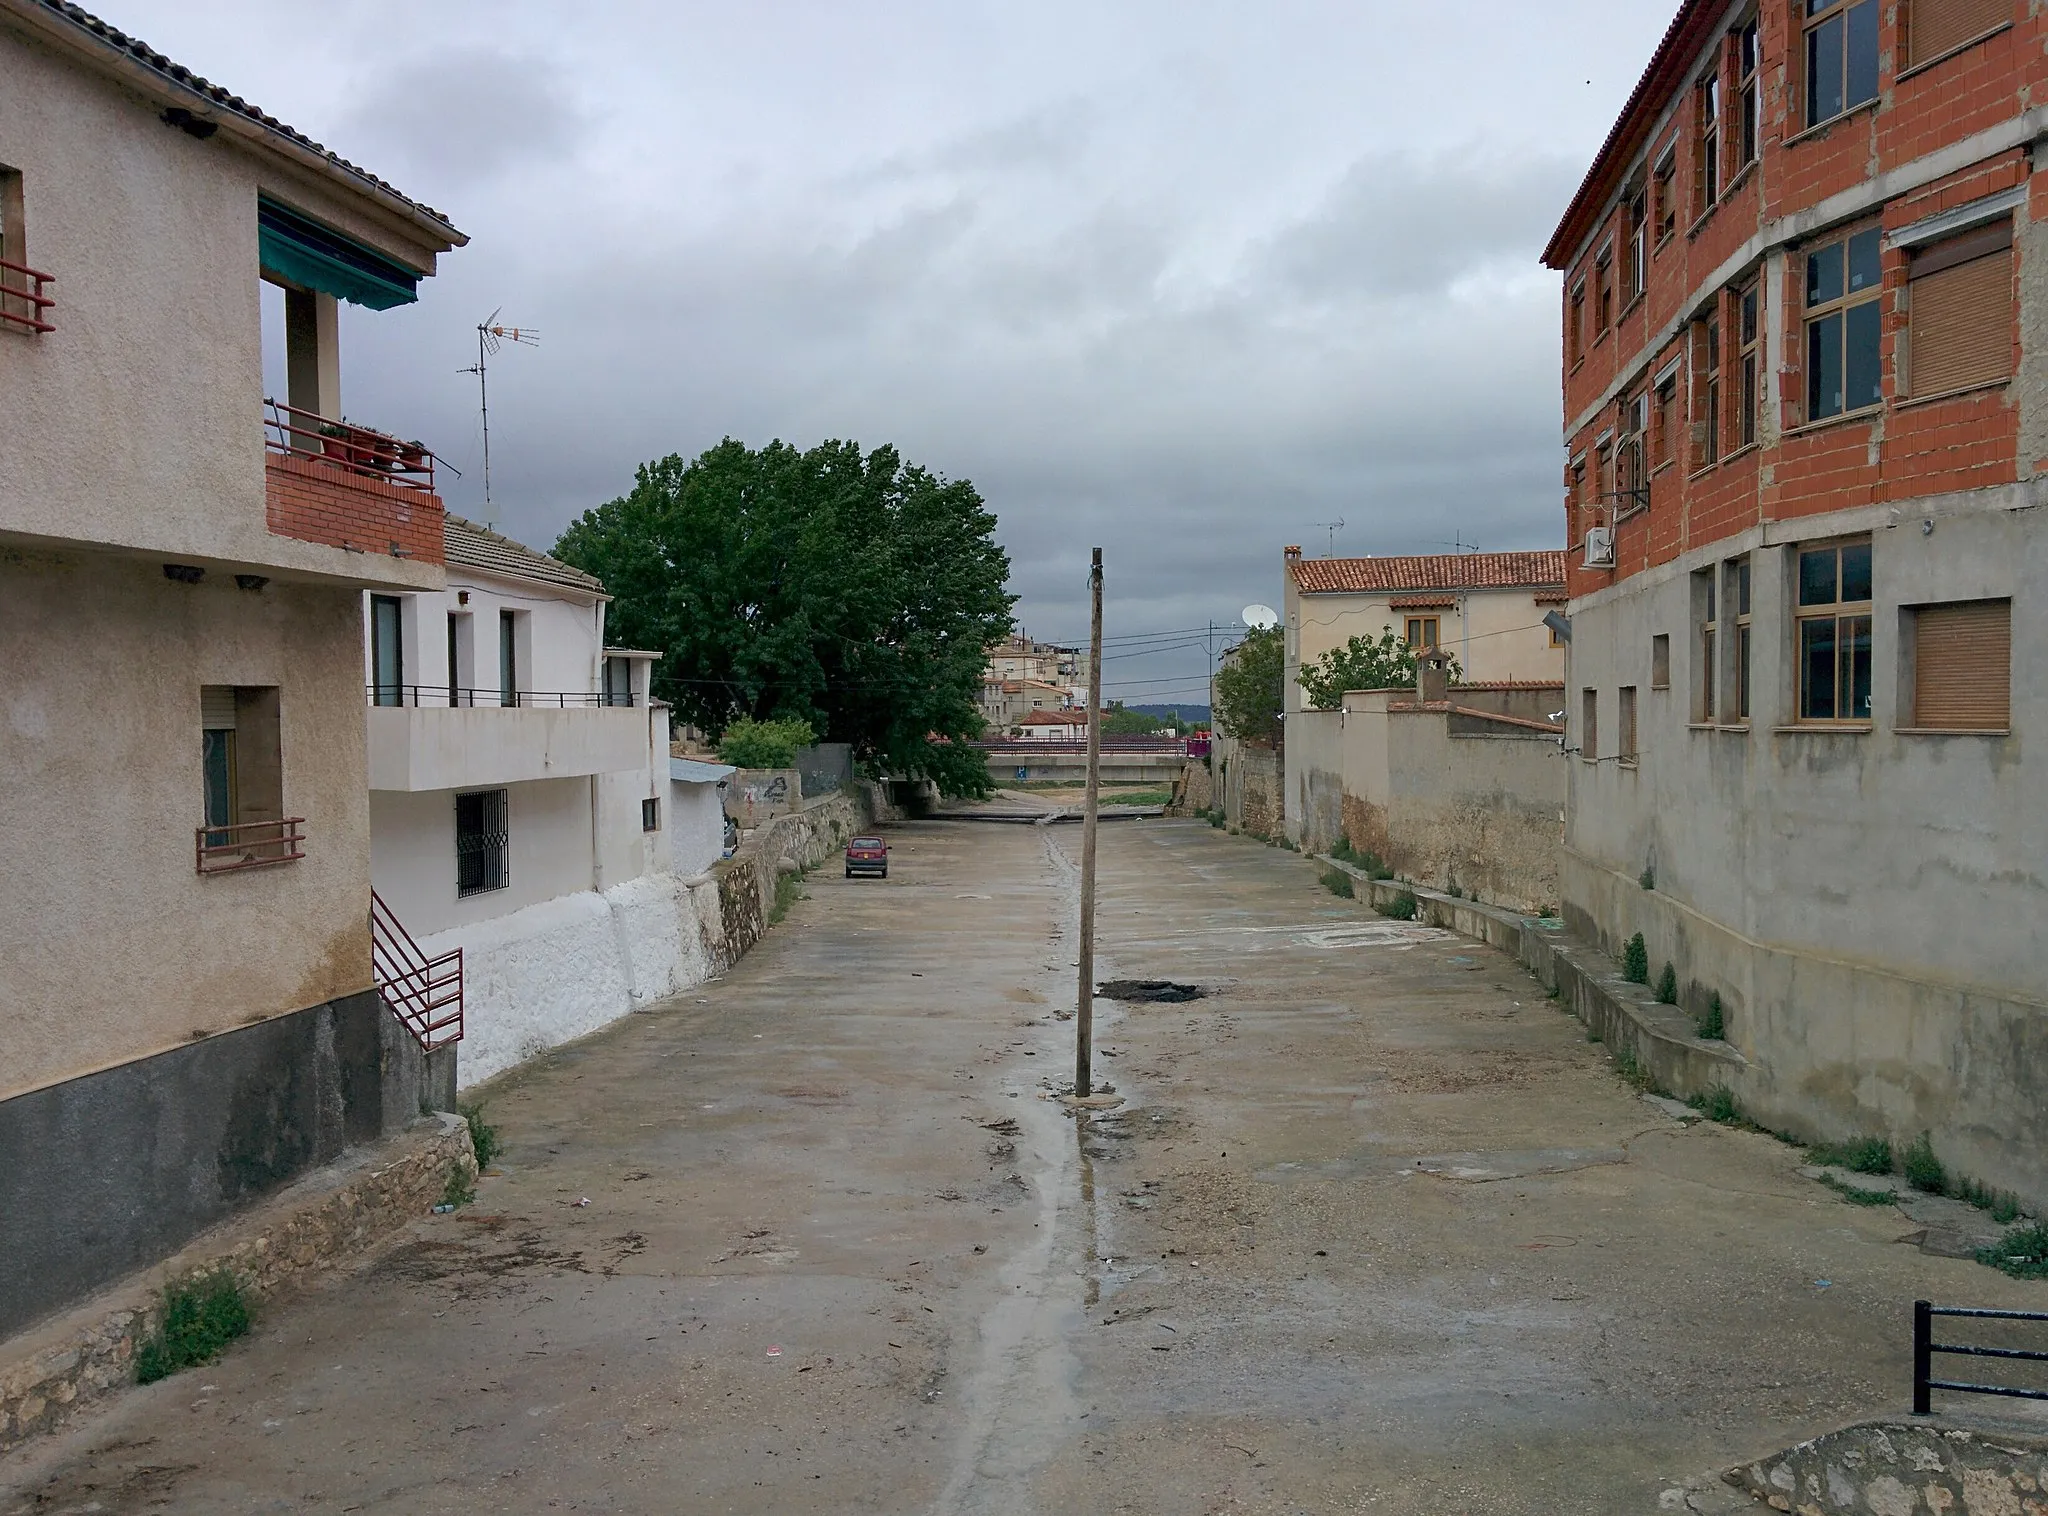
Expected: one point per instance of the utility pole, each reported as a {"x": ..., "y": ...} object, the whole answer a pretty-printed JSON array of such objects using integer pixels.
[{"x": 1084, "y": 1011}]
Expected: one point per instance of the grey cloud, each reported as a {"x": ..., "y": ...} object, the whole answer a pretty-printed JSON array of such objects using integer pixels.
[
  {"x": 464, "y": 116},
  {"x": 1402, "y": 224}
]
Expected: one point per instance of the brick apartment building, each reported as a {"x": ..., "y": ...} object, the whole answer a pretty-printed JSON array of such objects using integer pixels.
[{"x": 1806, "y": 431}]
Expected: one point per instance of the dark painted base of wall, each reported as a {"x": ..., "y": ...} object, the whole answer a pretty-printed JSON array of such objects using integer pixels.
[{"x": 109, "y": 1172}]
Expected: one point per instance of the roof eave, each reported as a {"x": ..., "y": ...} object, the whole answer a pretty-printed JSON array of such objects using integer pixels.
[{"x": 67, "y": 32}]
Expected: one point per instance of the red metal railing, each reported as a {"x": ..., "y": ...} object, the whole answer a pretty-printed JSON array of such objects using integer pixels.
[
  {"x": 249, "y": 845},
  {"x": 424, "y": 993},
  {"x": 26, "y": 290},
  {"x": 361, "y": 450}
]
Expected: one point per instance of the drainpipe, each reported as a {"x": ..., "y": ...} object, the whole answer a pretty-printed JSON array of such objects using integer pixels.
[{"x": 596, "y": 857}]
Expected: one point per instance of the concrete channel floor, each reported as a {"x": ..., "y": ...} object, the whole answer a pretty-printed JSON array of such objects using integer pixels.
[{"x": 1377, "y": 1231}]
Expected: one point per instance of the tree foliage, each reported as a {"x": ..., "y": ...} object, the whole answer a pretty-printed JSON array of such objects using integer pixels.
[
  {"x": 1248, "y": 688},
  {"x": 848, "y": 590},
  {"x": 751, "y": 744},
  {"x": 1383, "y": 663},
  {"x": 1119, "y": 722}
]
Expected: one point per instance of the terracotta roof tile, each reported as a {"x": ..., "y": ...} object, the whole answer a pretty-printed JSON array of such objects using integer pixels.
[
  {"x": 477, "y": 547},
  {"x": 1432, "y": 601},
  {"x": 1441, "y": 571}
]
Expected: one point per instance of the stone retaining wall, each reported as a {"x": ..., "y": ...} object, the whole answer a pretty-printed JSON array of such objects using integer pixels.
[
  {"x": 789, "y": 844},
  {"x": 49, "y": 1373},
  {"x": 1904, "y": 1469}
]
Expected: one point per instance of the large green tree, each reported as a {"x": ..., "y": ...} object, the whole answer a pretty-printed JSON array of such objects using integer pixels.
[
  {"x": 843, "y": 588},
  {"x": 1362, "y": 663},
  {"x": 1249, "y": 688}
]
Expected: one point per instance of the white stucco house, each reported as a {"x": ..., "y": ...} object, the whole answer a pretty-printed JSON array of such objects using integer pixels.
[
  {"x": 521, "y": 798},
  {"x": 696, "y": 814}
]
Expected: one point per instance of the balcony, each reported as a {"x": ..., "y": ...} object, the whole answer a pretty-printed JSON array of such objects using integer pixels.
[
  {"x": 428, "y": 737},
  {"x": 24, "y": 298},
  {"x": 249, "y": 845},
  {"x": 349, "y": 486}
]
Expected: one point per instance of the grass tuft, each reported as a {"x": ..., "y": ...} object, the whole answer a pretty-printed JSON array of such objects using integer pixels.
[
  {"x": 1400, "y": 908},
  {"x": 1634, "y": 1072},
  {"x": 2022, "y": 1254},
  {"x": 458, "y": 1190},
  {"x": 1718, "y": 1104},
  {"x": 201, "y": 1317},
  {"x": 1922, "y": 1169},
  {"x": 1869, "y": 1155},
  {"x": 1855, "y": 1196},
  {"x": 789, "y": 889},
  {"x": 1338, "y": 883}
]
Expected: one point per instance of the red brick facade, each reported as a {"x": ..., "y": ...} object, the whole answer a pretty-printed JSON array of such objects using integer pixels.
[
  {"x": 1804, "y": 186},
  {"x": 317, "y": 501}
]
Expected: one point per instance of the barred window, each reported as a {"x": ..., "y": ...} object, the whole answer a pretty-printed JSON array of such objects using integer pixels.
[{"x": 482, "y": 843}]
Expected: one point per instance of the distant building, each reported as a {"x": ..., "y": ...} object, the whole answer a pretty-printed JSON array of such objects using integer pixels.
[
  {"x": 1485, "y": 609},
  {"x": 189, "y": 1014},
  {"x": 1005, "y": 702},
  {"x": 1805, "y": 384}
]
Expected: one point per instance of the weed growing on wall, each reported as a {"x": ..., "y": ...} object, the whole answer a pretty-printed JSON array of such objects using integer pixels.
[
  {"x": 1922, "y": 1169},
  {"x": 1667, "y": 985},
  {"x": 1635, "y": 961},
  {"x": 458, "y": 1190},
  {"x": 1647, "y": 879},
  {"x": 789, "y": 889},
  {"x": 1854, "y": 1196},
  {"x": 1400, "y": 908},
  {"x": 2022, "y": 1254},
  {"x": 1718, "y": 1104},
  {"x": 1338, "y": 883},
  {"x": 1343, "y": 851},
  {"x": 1870, "y": 1155},
  {"x": 1713, "y": 1026},
  {"x": 1634, "y": 1072},
  {"x": 1217, "y": 820},
  {"x": 201, "y": 1317},
  {"x": 483, "y": 1137}
]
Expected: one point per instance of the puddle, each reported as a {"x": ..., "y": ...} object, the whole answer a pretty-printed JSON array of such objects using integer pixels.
[{"x": 1149, "y": 991}]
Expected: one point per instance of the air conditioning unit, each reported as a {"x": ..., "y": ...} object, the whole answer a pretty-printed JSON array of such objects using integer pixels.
[{"x": 1599, "y": 547}]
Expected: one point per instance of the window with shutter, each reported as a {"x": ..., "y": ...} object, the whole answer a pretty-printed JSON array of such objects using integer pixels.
[
  {"x": 1935, "y": 27},
  {"x": 1961, "y": 323},
  {"x": 1962, "y": 666}
]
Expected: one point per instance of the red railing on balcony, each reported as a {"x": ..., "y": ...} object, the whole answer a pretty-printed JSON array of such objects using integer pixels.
[
  {"x": 424, "y": 993},
  {"x": 361, "y": 450},
  {"x": 24, "y": 296},
  {"x": 249, "y": 845}
]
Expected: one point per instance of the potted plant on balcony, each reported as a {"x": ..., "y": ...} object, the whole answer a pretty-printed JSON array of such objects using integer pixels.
[
  {"x": 412, "y": 457},
  {"x": 334, "y": 438}
]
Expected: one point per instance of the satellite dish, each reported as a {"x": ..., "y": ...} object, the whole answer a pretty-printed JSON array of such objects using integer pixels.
[{"x": 1261, "y": 618}]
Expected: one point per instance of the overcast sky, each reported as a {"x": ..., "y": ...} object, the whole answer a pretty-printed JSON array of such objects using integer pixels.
[{"x": 1179, "y": 279}]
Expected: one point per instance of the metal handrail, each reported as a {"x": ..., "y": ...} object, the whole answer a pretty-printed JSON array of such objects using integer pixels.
[
  {"x": 1925, "y": 1347},
  {"x": 248, "y": 845},
  {"x": 298, "y": 433},
  {"x": 37, "y": 301},
  {"x": 427, "y": 696},
  {"x": 424, "y": 993}
]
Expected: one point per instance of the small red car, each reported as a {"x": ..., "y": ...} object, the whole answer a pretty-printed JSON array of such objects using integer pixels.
[{"x": 867, "y": 855}]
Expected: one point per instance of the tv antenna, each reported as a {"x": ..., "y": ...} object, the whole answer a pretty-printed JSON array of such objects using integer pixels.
[
  {"x": 489, "y": 334},
  {"x": 1458, "y": 544},
  {"x": 1333, "y": 528}
]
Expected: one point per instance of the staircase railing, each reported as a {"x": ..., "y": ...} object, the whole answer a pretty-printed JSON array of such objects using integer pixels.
[{"x": 424, "y": 993}]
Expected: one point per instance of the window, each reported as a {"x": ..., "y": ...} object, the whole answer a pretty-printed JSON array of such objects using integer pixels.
[
  {"x": 1842, "y": 287},
  {"x": 1935, "y": 27},
  {"x": 1705, "y": 645},
  {"x": 1589, "y": 724},
  {"x": 1749, "y": 100},
  {"x": 1632, "y": 480},
  {"x": 482, "y": 843},
  {"x": 1664, "y": 192},
  {"x": 1738, "y": 602},
  {"x": 387, "y": 650},
  {"x": 1660, "y": 661},
  {"x": 1962, "y": 666},
  {"x": 1960, "y": 311},
  {"x": 1575, "y": 325},
  {"x": 1635, "y": 268},
  {"x": 1707, "y": 144},
  {"x": 24, "y": 300},
  {"x": 1833, "y": 621},
  {"x": 241, "y": 765},
  {"x": 508, "y": 657},
  {"x": 1603, "y": 281},
  {"x": 1626, "y": 751},
  {"x": 1422, "y": 631},
  {"x": 650, "y": 814},
  {"x": 618, "y": 681},
  {"x": 1708, "y": 427},
  {"x": 1666, "y": 419},
  {"x": 1749, "y": 331},
  {"x": 1841, "y": 57},
  {"x": 1555, "y": 639}
]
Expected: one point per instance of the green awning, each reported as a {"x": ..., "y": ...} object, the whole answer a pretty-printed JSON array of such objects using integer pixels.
[{"x": 313, "y": 256}]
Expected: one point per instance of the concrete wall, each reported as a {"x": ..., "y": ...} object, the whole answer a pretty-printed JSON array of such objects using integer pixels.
[
  {"x": 696, "y": 827},
  {"x": 1868, "y": 904},
  {"x": 151, "y": 387},
  {"x": 756, "y": 796},
  {"x": 105, "y": 1173},
  {"x": 1314, "y": 798},
  {"x": 1248, "y": 778},
  {"x": 112, "y": 946}
]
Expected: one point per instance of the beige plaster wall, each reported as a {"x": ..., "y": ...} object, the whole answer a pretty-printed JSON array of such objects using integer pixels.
[
  {"x": 150, "y": 387},
  {"x": 111, "y": 945}
]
